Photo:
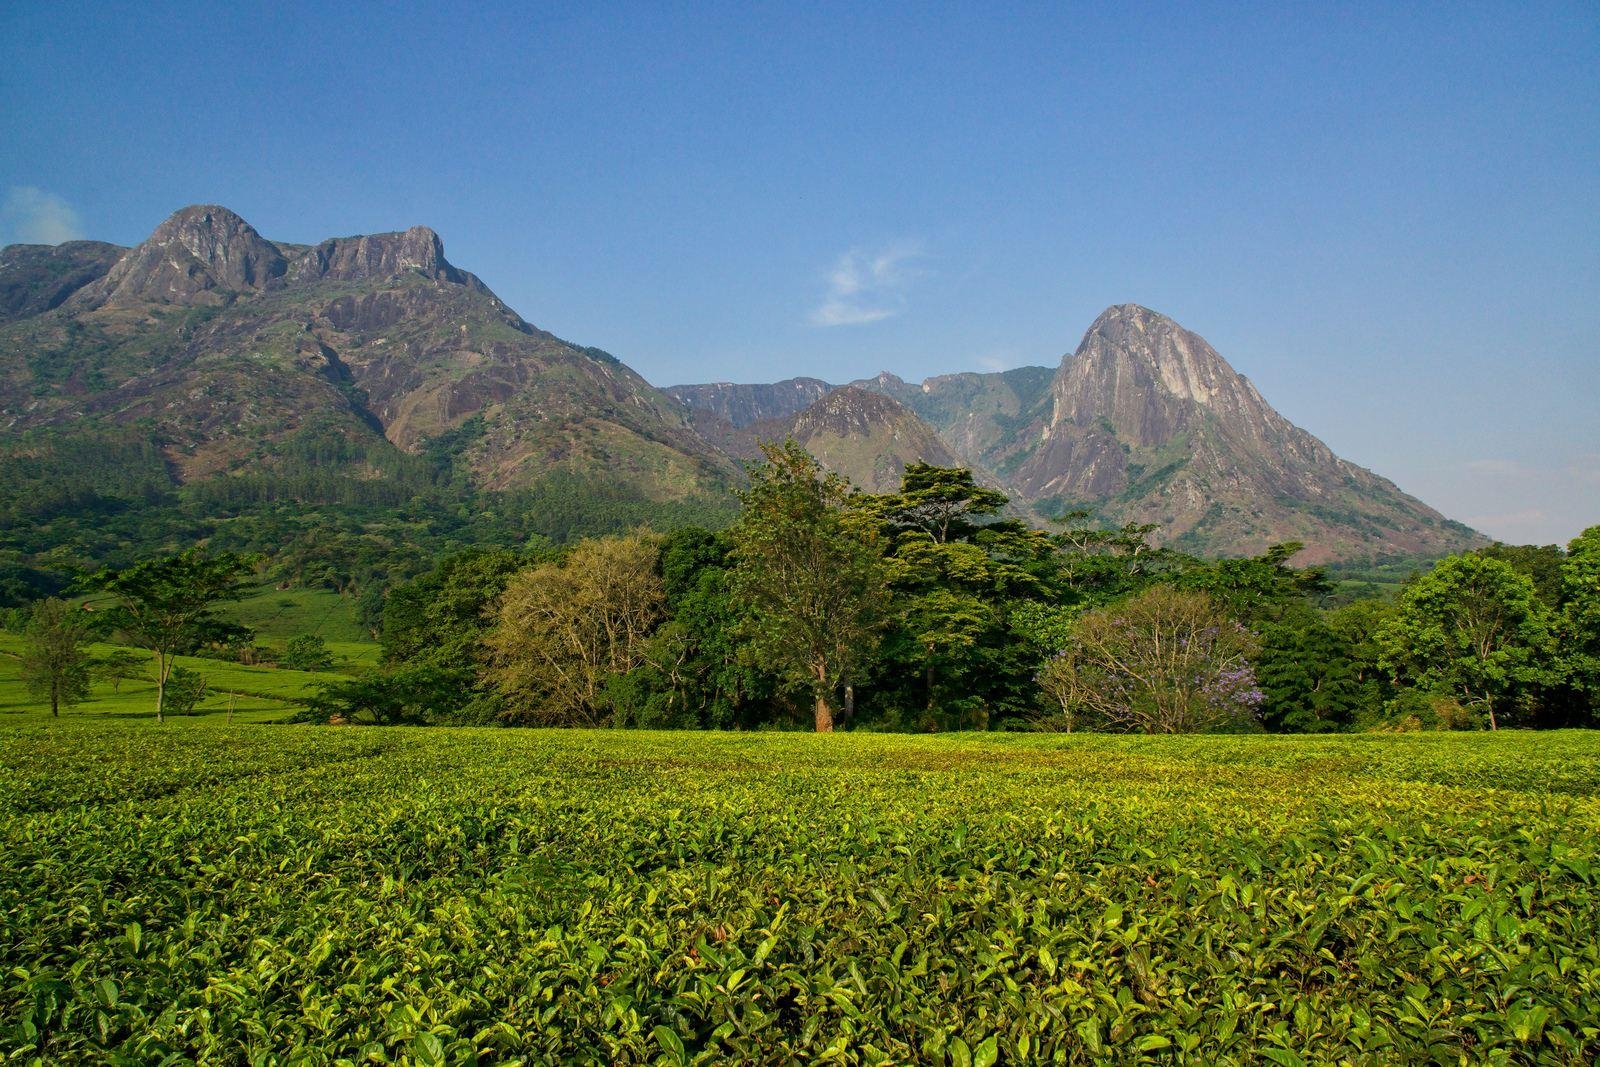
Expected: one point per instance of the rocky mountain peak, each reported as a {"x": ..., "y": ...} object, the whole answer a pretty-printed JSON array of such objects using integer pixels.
[
  {"x": 378, "y": 256},
  {"x": 1139, "y": 372},
  {"x": 743, "y": 405},
  {"x": 869, "y": 437},
  {"x": 193, "y": 257},
  {"x": 849, "y": 410}
]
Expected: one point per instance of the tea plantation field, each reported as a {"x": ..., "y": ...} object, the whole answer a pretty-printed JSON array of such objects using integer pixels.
[{"x": 279, "y": 894}]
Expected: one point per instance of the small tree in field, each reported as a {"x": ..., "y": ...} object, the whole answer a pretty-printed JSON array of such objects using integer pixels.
[
  {"x": 307, "y": 652},
  {"x": 168, "y": 605},
  {"x": 55, "y": 665},
  {"x": 118, "y": 665},
  {"x": 1164, "y": 661}
]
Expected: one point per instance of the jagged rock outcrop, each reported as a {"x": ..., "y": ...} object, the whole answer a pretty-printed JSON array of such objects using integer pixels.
[
  {"x": 378, "y": 257},
  {"x": 741, "y": 405},
  {"x": 226, "y": 348},
  {"x": 196, "y": 256}
]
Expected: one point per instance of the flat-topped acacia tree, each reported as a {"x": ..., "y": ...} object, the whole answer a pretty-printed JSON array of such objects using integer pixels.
[{"x": 168, "y": 605}]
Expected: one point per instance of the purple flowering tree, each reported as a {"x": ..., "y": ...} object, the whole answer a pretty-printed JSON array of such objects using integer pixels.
[{"x": 1164, "y": 661}]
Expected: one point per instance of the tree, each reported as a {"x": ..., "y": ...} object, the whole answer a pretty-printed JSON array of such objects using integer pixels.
[
  {"x": 566, "y": 628},
  {"x": 185, "y": 690},
  {"x": 168, "y": 605},
  {"x": 1162, "y": 661},
  {"x": 439, "y": 622},
  {"x": 119, "y": 665},
  {"x": 809, "y": 581},
  {"x": 1259, "y": 588},
  {"x": 55, "y": 664},
  {"x": 306, "y": 652},
  {"x": 942, "y": 502},
  {"x": 949, "y": 660},
  {"x": 1580, "y": 618},
  {"x": 1473, "y": 628}
]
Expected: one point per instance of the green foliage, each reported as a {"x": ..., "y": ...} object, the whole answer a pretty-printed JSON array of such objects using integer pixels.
[
  {"x": 809, "y": 584},
  {"x": 307, "y": 653},
  {"x": 1579, "y": 626},
  {"x": 1473, "y": 628},
  {"x": 407, "y": 696},
  {"x": 55, "y": 664},
  {"x": 296, "y": 895},
  {"x": 169, "y": 605},
  {"x": 184, "y": 691},
  {"x": 1311, "y": 681}
]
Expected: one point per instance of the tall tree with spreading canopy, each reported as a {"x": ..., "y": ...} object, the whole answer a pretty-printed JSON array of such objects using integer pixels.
[
  {"x": 55, "y": 665},
  {"x": 169, "y": 605},
  {"x": 1162, "y": 661},
  {"x": 1473, "y": 628},
  {"x": 565, "y": 629},
  {"x": 809, "y": 580}
]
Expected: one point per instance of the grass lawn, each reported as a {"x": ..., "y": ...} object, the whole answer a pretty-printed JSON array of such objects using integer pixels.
[
  {"x": 255, "y": 694},
  {"x": 278, "y": 894}
]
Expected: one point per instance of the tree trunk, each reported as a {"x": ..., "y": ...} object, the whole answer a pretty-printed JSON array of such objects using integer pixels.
[
  {"x": 161, "y": 684},
  {"x": 55, "y": 700},
  {"x": 824, "y": 715}
]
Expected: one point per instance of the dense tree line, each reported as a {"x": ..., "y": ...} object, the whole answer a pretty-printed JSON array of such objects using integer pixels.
[{"x": 928, "y": 609}]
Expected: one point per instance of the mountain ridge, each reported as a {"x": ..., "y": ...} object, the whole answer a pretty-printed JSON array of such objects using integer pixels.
[{"x": 1145, "y": 422}]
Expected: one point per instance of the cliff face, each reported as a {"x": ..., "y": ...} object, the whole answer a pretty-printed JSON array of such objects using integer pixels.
[
  {"x": 742, "y": 405},
  {"x": 869, "y": 438},
  {"x": 225, "y": 346},
  {"x": 1145, "y": 422}
]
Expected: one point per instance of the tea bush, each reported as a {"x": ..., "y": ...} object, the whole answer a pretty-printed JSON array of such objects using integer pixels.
[{"x": 271, "y": 894}]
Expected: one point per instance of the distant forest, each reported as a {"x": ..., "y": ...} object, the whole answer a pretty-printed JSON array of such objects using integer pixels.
[{"x": 806, "y": 604}]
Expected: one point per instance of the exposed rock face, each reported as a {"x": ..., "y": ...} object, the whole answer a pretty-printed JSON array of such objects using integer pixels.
[
  {"x": 869, "y": 438},
  {"x": 741, "y": 405},
  {"x": 194, "y": 257},
  {"x": 1146, "y": 423},
  {"x": 379, "y": 257},
  {"x": 226, "y": 346},
  {"x": 37, "y": 278}
]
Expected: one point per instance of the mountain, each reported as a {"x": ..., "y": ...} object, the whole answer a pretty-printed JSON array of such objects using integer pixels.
[
  {"x": 234, "y": 354},
  {"x": 865, "y": 435},
  {"x": 977, "y": 414},
  {"x": 1145, "y": 422},
  {"x": 741, "y": 405},
  {"x": 869, "y": 438},
  {"x": 38, "y": 278}
]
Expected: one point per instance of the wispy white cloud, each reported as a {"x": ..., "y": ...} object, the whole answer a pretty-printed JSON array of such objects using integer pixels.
[
  {"x": 869, "y": 285},
  {"x": 34, "y": 216}
]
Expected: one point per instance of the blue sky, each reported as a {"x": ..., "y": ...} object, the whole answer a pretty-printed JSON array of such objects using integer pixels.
[{"x": 1387, "y": 216}]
